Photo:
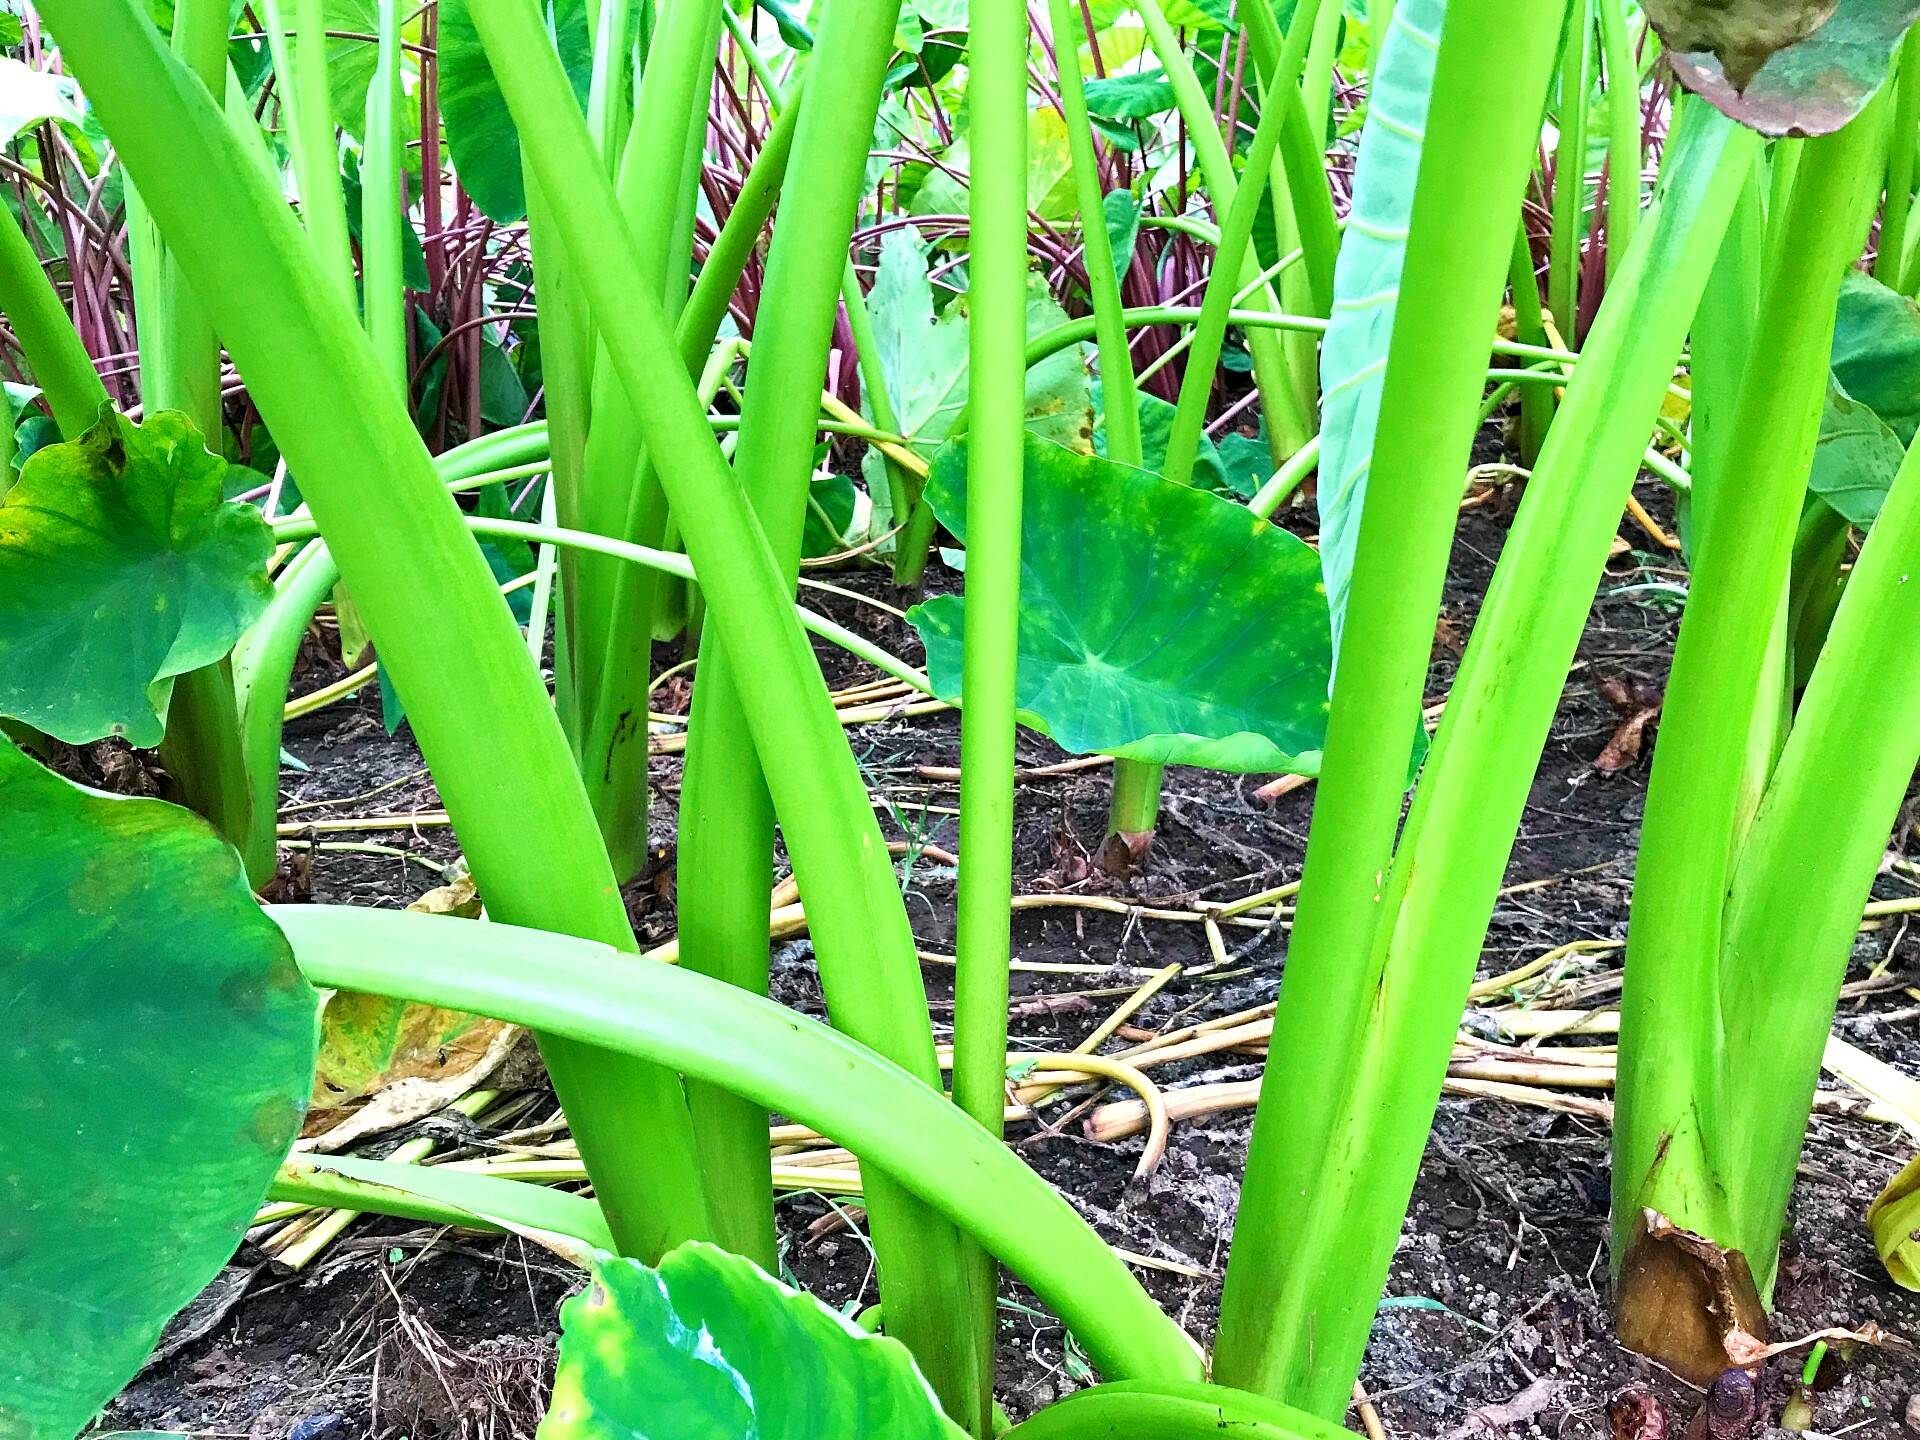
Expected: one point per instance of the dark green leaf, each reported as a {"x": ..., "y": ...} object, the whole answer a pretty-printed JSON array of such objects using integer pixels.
[
  {"x": 710, "y": 1347},
  {"x": 481, "y": 138},
  {"x": 1130, "y": 97},
  {"x": 1783, "y": 67},
  {"x": 1157, "y": 622},
  {"x": 120, "y": 567},
  {"x": 792, "y": 28},
  {"x": 1855, "y": 459},
  {"x": 1122, "y": 211},
  {"x": 158, "y": 1055},
  {"x": 1156, "y": 428},
  {"x": 833, "y": 497},
  {"x": 1876, "y": 351}
]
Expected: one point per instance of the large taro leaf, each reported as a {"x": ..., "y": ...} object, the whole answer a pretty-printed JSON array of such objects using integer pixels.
[
  {"x": 1783, "y": 67},
  {"x": 157, "y": 1054},
  {"x": 710, "y": 1347},
  {"x": 1855, "y": 459},
  {"x": 1157, "y": 622},
  {"x": 1366, "y": 285},
  {"x": 1876, "y": 351},
  {"x": 120, "y": 567},
  {"x": 480, "y": 133}
]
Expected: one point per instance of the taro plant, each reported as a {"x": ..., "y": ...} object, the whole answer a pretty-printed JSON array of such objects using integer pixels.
[{"x": 1109, "y": 603}]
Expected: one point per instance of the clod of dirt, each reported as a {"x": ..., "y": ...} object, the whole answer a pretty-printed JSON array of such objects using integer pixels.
[{"x": 1638, "y": 1415}]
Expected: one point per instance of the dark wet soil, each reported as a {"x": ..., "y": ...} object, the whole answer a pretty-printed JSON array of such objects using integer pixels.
[{"x": 1496, "y": 1316}]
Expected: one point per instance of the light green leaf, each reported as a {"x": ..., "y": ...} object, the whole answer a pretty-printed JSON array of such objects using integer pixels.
[
  {"x": 1855, "y": 459},
  {"x": 158, "y": 1035},
  {"x": 1157, "y": 622},
  {"x": 1783, "y": 67},
  {"x": 1050, "y": 192},
  {"x": 29, "y": 96},
  {"x": 1366, "y": 285},
  {"x": 350, "y": 62},
  {"x": 481, "y": 138},
  {"x": 121, "y": 567},
  {"x": 1876, "y": 351},
  {"x": 710, "y": 1347},
  {"x": 924, "y": 359}
]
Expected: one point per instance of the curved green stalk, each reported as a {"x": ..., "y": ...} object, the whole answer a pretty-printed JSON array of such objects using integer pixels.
[
  {"x": 445, "y": 633},
  {"x": 864, "y": 945},
  {"x": 1624, "y": 156},
  {"x": 1570, "y": 170},
  {"x": 777, "y": 1058},
  {"x": 996, "y": 460},
  {"x": 1304, "y": 1346},
  {"x": 1161, "y": 1410},
  {"x": 61, "y": 366},
  {"x": 1674, "y": 1103}
]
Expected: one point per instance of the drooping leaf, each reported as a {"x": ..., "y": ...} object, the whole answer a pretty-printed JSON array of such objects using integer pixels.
[
  {"x": 120, "y": 567},
  {"x": 1855, "y": 458},
  {"x": 1139, "y": 96},
  {"x": 710, "y": 1347},
  {"x": 829, "y": 515},
  {"x": 924, "y": 358},
  {"x": 1366, "y": 285},
  {"x": 29, "y": 96},
  {"x": 1122, "y": 211},
  {"x": 1157, "y": 622},
  {"x": 1876, "y": 351},
  {"x": 1783, "y": 67},
  {"x": 481, "y": 138},
  {"x": 158, "y": 1051}
]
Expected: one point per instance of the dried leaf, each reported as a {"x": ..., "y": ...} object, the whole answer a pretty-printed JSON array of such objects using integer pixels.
[{"x": 1687, "y": 1302}]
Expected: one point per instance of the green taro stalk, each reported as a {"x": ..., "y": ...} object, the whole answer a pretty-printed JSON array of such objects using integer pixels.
[
  {"x": 429, "y": 600},
  {"x": 1686, "y": 1096}
]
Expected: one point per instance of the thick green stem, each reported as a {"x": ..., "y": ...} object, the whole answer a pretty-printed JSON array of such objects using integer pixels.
[
  {"x": 1162, "y": 1410},
  {"x": 383, "y": 297},
  {"x": 1809, "y": 861},
  {"x": 1674, "y": 1105},
  {"x": 864, "y": 944},
  {"x": 1297, "y": 1309},
  {"x": 444, "y": 631},
  {"x": 996, "y": 460}
]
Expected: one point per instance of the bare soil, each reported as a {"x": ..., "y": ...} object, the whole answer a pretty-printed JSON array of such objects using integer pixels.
[{"x": 1496, "y": 1315}]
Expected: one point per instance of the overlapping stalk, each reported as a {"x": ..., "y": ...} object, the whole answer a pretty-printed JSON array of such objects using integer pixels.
[
  {"x": 1677, "y": 1107},
  {"x": 996, "y": 461},
  {"x": 864, "y": 945},
  {"x": 1306, "y": 1269},
  {"x": 445, "y": 634}
]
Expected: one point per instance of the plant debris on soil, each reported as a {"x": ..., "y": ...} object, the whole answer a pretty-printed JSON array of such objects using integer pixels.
[{"x": 1496, "y": 1318}]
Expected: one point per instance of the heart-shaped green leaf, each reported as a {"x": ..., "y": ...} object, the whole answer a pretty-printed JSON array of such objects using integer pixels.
[
  {"x": 1876, "y": 351},
  {"x": 1783, "y": 67},
  {"x": 1157, "y": 622},
  {"x": 710, "y": 1347},
  {"x": 481, "y": 136},
  {"x": 120, "y": 567},
  {"x": 157, "y": 1056}
]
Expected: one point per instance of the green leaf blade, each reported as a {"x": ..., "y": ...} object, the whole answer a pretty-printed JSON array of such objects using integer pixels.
[
  {"x": 710, "y": 1347},
  {"x": 121, "y": 566},
  {"x": 158, "y": 1034},
  {"x": 1158, "y": 622}
]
